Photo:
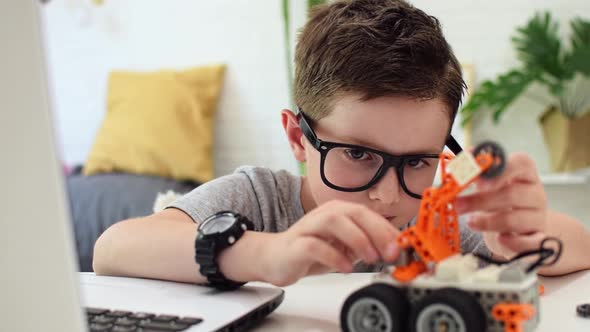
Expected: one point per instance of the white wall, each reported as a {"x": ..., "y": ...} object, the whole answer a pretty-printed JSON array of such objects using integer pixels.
[{"x": 85, "y": 42}]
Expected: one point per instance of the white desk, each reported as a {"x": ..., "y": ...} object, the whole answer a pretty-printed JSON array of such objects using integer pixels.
[{"x": 313, "y": 304}]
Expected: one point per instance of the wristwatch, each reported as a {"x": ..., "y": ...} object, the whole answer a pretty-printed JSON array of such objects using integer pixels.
[{"x": 214, "y": 234}]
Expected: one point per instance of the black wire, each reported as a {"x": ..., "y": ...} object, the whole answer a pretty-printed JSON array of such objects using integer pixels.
[{"x": 543, "y": 252}]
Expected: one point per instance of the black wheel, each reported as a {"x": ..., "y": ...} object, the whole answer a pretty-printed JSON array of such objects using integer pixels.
[
  {"x": 449, "y": 310},
  {"x": 497, "y": 154},
  {"x": 375, "y": 308}
]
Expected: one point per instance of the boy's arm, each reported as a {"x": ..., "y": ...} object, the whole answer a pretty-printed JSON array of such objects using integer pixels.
[
  {"x": 575, "y": 255},
  {"x": 330, "y": 238},
  {"x": 574, "y": 236},
  {"x": 161, "y": 246}
]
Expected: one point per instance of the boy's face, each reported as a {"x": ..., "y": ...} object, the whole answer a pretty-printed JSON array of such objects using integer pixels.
[{"x": 395, "y": 125}]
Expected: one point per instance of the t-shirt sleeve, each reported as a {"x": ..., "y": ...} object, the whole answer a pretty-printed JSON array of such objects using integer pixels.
[
  {"x": 471, "y": 241},
  {"x": 232, "y": 192}
]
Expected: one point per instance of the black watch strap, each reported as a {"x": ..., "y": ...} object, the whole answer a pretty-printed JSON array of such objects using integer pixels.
[
  {"x": 207, "y": 250},
  {"x": 207, "y": 260}
]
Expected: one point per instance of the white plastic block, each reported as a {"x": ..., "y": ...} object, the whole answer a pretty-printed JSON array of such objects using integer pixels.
[
  {"x": 456, "y": 268},
  {"x": 490, "y": 273},
  {"x": 464, "y": 168}
]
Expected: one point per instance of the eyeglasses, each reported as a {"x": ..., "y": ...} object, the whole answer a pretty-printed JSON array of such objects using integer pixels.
[{"x": 353, "y": 168}]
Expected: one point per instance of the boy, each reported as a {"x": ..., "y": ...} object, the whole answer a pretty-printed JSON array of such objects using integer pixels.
[{"x": 378, "y": 88}]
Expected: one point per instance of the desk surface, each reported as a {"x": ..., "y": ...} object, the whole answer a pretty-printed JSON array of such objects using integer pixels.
[{"x": 313, "y": 304}]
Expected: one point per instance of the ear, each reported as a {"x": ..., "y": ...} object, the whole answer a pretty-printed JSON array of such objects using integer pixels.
[{"x": 294, "y": 134}]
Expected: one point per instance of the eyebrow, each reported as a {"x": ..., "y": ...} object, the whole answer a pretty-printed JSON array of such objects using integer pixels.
[{"x": 361, "y": 142}]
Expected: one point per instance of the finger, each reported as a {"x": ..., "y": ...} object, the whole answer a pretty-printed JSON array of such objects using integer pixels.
[
  {"x": 509, "y": 221},
  {"x": 519, "y": 167},
  {"x": 379, "y": 230},
  {"x": 320, "y": 251},
  {"x": 344, "y": 249},
  {"x": 519, "y": 243},
  {"x": 517, "y": 195},
  {"x": 346, "y": 232}
]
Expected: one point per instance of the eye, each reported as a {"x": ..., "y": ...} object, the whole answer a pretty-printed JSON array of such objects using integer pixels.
[
  {"x": 417, "y": 163},
  {"x": 358, "y": 154}
]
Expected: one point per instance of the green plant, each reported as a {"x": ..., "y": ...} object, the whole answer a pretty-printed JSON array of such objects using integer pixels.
[{"x": 543, "y": 60}]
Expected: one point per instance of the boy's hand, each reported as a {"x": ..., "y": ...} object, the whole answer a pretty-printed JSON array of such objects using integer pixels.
[
  {"x": 511, "y": 209},
  {"x": 332, "y": 237}
]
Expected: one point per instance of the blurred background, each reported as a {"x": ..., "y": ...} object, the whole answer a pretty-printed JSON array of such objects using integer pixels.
[{"x": 526, "y": 62}]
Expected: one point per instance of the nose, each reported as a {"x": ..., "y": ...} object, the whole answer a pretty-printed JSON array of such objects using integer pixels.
[{"x": 387, "y": 189}]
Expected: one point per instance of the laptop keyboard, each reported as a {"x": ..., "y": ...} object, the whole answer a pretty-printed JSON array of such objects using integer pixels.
[{"x": 104, "y": 320}]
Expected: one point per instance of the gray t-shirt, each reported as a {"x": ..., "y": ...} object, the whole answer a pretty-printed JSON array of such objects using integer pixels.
[{"x": 272, "y": 201}]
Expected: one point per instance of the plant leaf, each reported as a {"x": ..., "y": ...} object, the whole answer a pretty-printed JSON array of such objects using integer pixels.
[
  {"x": 578, "y": 60},
  {"x": 498, "y": 94},
  {"x": 538, "y": 47}
]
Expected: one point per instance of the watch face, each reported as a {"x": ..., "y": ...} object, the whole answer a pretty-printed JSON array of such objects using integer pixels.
[{"x": 218, "y": 223}]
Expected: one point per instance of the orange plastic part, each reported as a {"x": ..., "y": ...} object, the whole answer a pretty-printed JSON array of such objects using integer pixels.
[
  {"x": 409, "y": 272},
  {"x": 513, "y": 315},
  {"x": 541, "y": 289},
  {"x": 435, "y": 236}
]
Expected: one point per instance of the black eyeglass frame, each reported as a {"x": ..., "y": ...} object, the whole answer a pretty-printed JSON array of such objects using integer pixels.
[{"x": 389, "y": 160}]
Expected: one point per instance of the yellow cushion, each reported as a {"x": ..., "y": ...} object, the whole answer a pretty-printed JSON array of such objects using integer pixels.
[{"x": 159, "y": 123}]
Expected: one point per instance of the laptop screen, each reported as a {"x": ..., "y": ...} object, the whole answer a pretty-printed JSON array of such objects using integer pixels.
[{"x": 47, "y": 235}]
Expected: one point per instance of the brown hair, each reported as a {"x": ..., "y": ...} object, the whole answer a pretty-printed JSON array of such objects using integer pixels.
[{"x": 374, "y": 48}]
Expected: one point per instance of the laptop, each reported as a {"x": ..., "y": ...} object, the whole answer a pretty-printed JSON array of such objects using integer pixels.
[{"x": 40, "y": 289}]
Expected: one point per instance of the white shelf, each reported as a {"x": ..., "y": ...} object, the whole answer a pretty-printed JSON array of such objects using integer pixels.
[{"x": 565, "y": 179}]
